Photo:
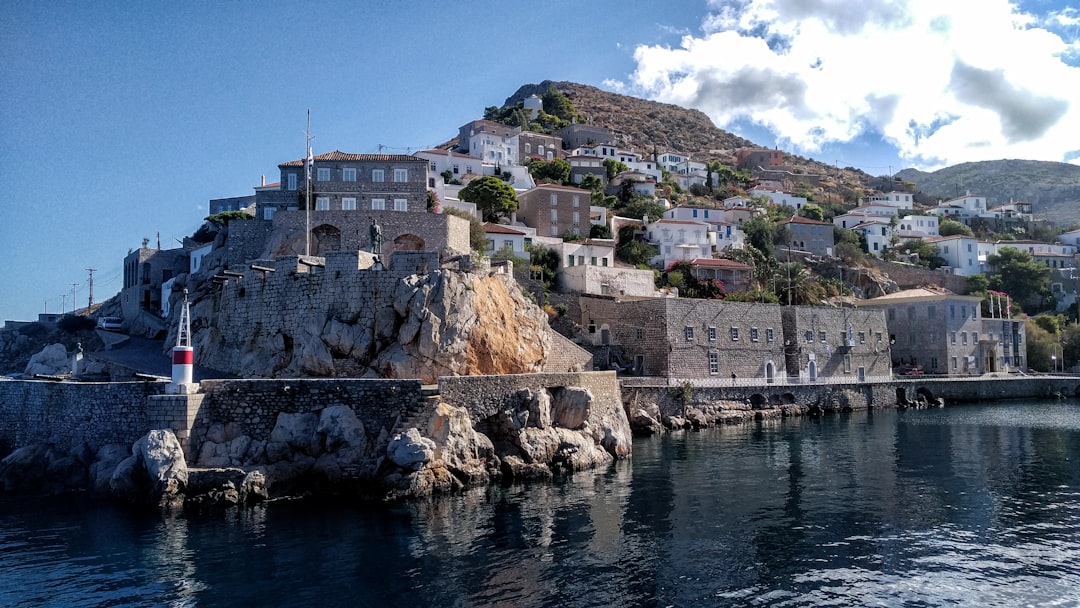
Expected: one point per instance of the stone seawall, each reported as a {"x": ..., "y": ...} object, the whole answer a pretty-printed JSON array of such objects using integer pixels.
[
  {"x": 484, "y": 396},
  {"x": 253, "y": 405},
  {"x": 74, "y": 416},
  {"x": 650, "y": 402}
]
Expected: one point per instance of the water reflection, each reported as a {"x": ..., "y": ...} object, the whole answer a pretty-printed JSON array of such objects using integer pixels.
[{"x": 967, "y": 505}]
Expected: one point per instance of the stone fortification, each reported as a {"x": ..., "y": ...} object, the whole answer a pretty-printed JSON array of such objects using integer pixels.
[{"x": 338, "y": 316}]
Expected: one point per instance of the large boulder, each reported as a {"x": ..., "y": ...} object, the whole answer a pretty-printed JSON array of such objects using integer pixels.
[
  {"x": 469, "y": 455},
  {"x": 106, "y": 460},
  {"x": 52, "y": 360},
  {"x": 410, "y": 450},
  {"x": 294, "y": 433},
  {"x": 155, "y": 473},
  {"x": 41, "y": 468}
]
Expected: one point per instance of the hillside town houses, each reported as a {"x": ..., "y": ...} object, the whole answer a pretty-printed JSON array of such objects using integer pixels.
[{"x": 624, "y": 319}]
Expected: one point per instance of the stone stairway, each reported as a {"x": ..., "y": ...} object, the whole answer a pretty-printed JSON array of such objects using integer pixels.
[{"x": 416, "y": 415}]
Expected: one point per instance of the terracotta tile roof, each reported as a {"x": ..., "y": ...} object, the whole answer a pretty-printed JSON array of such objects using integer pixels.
[
  {"x": 338, "y": 155},
  {"x": 559, "y": 187},
  {"x": 798, "y": 219},
  {"x": 500, "y": 229},
  {"x": 449, "y": 153},
  {"x": 720, "y": 263}
]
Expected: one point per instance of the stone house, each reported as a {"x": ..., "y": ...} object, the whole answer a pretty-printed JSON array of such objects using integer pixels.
[
  {"x": 145, "y": 271},
  {"x": 751, "y": 158},
  {"x": 835, "y": 343},
  {"x": 349, "y": 182},
  {"x": 539, "y": 145},
  {"x": 686, "y": 338},
  {"x": 942, "y": 332},
  {"x": 810, "y": 235},
  {"x": 555, "y": 210},
  {"x": 734, "y": 275},
  {"x": 577, "y": 135},
  {"x": 580, "y": 166}
]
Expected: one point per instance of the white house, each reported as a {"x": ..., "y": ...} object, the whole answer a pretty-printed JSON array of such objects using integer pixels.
[
  {"x": 489, "y": 141},
  {"x": 697, "y": 214},
  {"x": 611, "y": 151},
  {"x": 727, "y": 236},
  {"x": 960, "y": 253},
  {"x": 589, "y": 252},
  {"x": 855, "y": 218},
  {"x": 917, "y": 226},
  {"x": 678, "y": 240},
  {"x": 500, "y": 236},
  {"x": 878, "y": 236},
  {"x": 779, "y": 197},
  {"x": 895, "y": 199}
]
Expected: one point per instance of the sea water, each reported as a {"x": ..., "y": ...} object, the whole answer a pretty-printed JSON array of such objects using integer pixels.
[{"x": 963, "y": 506}]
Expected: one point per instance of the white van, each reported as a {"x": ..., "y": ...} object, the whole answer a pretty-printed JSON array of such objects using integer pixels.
[{"x": 110, "y": 323}]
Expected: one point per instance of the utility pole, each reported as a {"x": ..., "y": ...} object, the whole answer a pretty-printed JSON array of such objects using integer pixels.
[
  {"x": 90, "y": 304},
  {"x": 74, "y": 297},
  {"x": 307, "y": 206},
  {"x": 63, "y": 303}
]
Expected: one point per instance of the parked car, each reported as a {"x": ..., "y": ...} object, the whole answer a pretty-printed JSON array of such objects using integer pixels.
[
  {"x": 110, "y": 323},
  {"x": 912, "y": 370}
]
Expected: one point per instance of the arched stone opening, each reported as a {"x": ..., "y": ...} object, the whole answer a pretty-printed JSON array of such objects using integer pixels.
[
  {"x": 757, "y": 400},
  {"x": 324, "y": 239},
  {"x": 408, "y": 242}
]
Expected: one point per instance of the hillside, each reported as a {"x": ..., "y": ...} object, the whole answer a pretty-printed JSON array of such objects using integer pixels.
[
  {"x": 1053, "y": 189},
  {"x": 644, "y": 126}
]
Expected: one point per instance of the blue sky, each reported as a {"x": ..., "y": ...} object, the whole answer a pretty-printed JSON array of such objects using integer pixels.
[{"x": 121, "y": 121}]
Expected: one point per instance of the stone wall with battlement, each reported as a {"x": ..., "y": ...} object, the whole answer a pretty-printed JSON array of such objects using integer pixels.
[{"x": 484, "y": 396}]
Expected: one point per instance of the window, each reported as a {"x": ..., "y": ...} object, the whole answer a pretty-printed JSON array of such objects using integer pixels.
[
  {"x": 714, "y": 362},
  {"x": 974, "y": 337},
  {"x": 847, "y": 364},
  {"x": 554, "y": 215},
  {"x": 952, "y": 338},
  {"x": 712, "y": 334},
  {"x": 401, "y": 204},
  {"x": 688, "y": 332},
  {"x": 592, "y": 260},
  {"x": 570, "y": 260},
  {"x": 455, "y": 169},
  {"x": 377, "y": 175},
  {"x": 640, "y": 334},
  {"x": 378, "y": 204},
  {"x": 877, "y": 336},
  {"x": 577, "y": 202},
  {"x": 348, "y": 174},
  {"x": 862, "y": 337},
  {"x": 401, "y": 175},
  {"x": 291, "y": 178},
  {"x": 932, "y": 338},
  {"x": 322, "y": 203},
  {"x": 933, "y": 363},
  {"x": 734, "y": 334},
  {"x": 809, "y": 336},
  {"x": 753, "y": 334},
  {"x": 554, "y": 200},
  {"x": 348, "y": 204},
  {"x": 963, "y": 338},
  {"x": 322, "y": 174},
  {"x": 821, "y": 336},
  {"x": 603, "y": 261},
  {"x": 954, "y": 362},
  {"x": 268, "y": 213},
  {"x": 769, "y": 335},
  {"x": 580, "y": 260},
  {"x": 490, "y": 245},
  {"x": 577, "y": 217}
]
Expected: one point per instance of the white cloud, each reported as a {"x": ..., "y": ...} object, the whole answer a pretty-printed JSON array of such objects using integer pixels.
[{"x": 944, "y": 82}]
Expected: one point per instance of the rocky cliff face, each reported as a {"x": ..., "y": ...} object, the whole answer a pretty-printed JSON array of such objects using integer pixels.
[{"x": 445, "y": 322}]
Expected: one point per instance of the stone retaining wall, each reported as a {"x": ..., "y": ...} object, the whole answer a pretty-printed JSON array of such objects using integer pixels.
[
  {"x": 74, "y": 415},
  {"x": 483, "y": 396}
]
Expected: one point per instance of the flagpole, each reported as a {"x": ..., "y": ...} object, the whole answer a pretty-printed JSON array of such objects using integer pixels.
[{"x": 307, "y": 182}]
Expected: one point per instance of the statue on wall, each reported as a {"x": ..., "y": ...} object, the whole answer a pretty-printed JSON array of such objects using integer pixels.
[{"x": 376, "y": 238}]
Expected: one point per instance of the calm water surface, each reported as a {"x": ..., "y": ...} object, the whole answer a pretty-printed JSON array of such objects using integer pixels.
[{"x": 965, "y": 506}]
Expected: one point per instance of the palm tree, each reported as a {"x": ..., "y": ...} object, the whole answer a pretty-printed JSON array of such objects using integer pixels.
[{"x": 793, "y": 284}]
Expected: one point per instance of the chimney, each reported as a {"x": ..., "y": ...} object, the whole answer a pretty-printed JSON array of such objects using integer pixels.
[{"x": 263, "y": 180}]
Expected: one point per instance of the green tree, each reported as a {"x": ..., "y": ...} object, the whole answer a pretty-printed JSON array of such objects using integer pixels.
[
  {"x": 759, "y": 234},
  {"x": 591, "y": 181},
  {"x": 492, "y": 196},
  {"x": 928, "y": 253},
  {"x": 599, "y": 231},
  {"x": 796, "y": 286},
  {"x": 559, "y": 105},
  {"x": 556, "y": 170},
  {"x": 632, "y": 250},
  {"x": 1051, "y": 323},
  {"x": 814, "y": 212},
  {"x": 614, "y": 167},
  {"x": 1041, "y": 346},
  {"x": 641, "y": 206},
  {"x": 949, "y": 227},
  {"x": 1016, "y": 273},
  {"x": 477, "y": 234}
]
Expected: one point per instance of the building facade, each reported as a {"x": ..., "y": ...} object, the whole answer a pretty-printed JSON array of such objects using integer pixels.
[{"x": 555, "y": 210}]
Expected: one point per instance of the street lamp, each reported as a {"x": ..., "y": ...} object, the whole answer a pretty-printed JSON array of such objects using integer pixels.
[{"x": 1053, "y": 363}]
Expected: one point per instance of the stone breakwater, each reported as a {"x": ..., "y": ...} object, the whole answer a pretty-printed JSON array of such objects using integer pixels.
[
  {"x": 241, "y": 440},
  {"x": 238, "y": 440}
]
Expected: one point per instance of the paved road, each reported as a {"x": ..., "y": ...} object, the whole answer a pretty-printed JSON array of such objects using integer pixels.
[{"x": 147, "y": 357}]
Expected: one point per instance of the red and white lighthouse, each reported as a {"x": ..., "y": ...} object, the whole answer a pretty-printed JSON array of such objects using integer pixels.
[{"x": 183, "y": 357}]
